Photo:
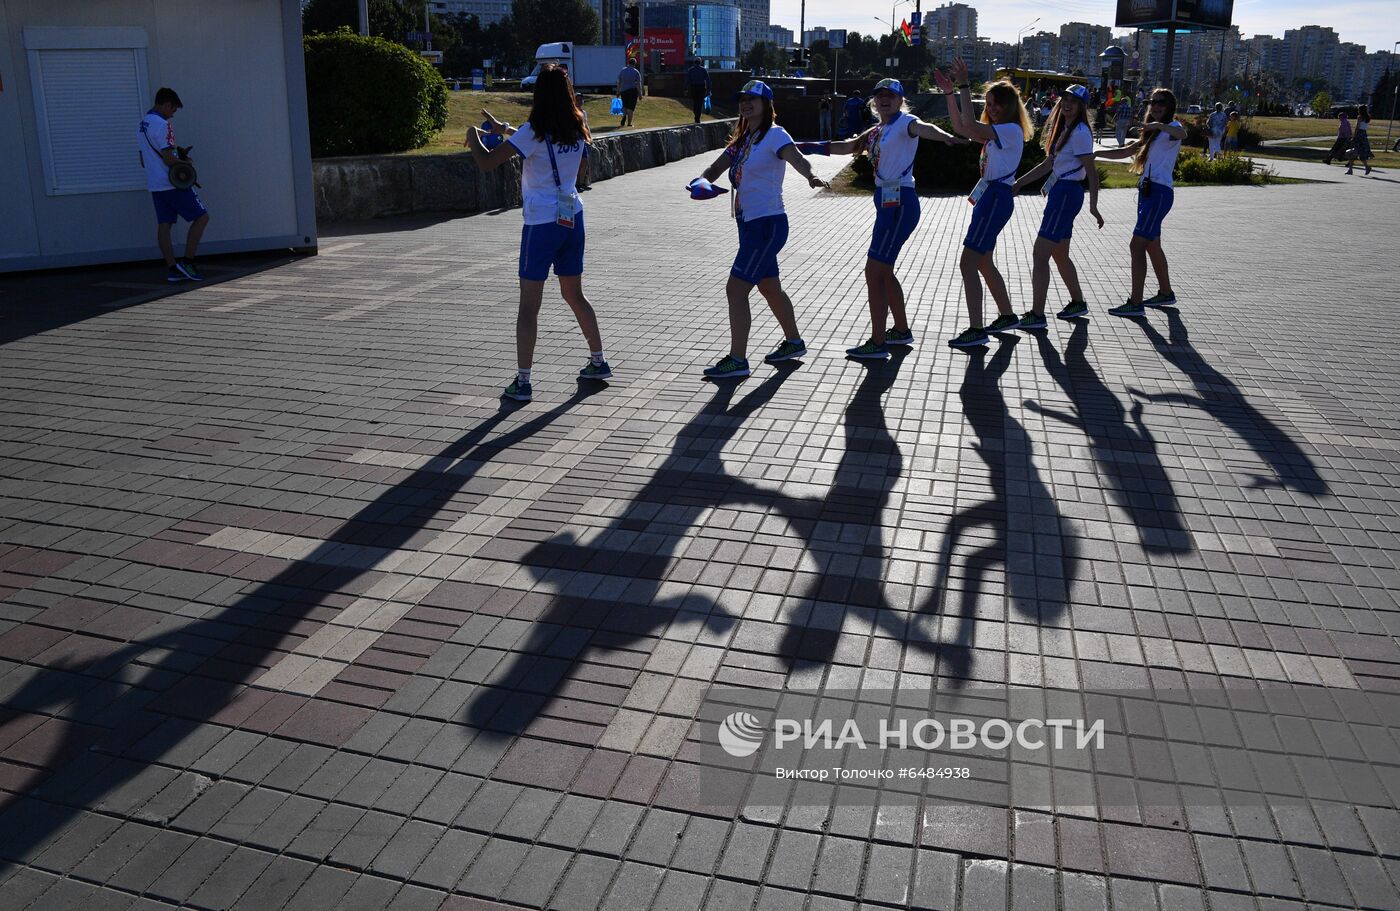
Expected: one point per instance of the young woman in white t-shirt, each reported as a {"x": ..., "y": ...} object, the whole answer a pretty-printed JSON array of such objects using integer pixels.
[
  {"x": 757, "y": 158},
  {"x": 1069, "y": 160},
  {"x": 1003, "y": 131},
  {"x": 893, "y": 145},
  {"x": 1154, "y": 157},
  {"x": 553, "y": 144}
]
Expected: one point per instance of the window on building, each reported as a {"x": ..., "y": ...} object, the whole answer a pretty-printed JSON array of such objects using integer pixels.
[{"x": 89, "y": 94}]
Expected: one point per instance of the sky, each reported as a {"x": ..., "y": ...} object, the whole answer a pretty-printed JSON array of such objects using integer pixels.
[{"x": 1372, "y": 23}]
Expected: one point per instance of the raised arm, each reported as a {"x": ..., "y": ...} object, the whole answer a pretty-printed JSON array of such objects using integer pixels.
[
  {"x": 1128, "y": 151},
  {"x": 487, "y": 159},
  {"x": 934, "y": 132},
  {"x": 801, "y": 165},
  {"x": 498, "y": 126},
  {"x": 1171, "y": 129}
]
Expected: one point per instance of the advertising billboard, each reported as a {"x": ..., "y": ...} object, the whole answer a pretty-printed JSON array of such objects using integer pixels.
[{"x": 1187, "y": 15}]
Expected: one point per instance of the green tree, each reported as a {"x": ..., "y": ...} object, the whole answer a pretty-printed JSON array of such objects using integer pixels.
[
  {"x": 1321, "y": 102},
  {"x": 387, "y": 18},
  {"x": 757, "y": 57},
  {"x": 542, "y": 21}
]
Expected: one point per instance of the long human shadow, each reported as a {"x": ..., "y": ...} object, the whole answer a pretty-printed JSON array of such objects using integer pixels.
[
  {"x": 1218, "y": 396},
  {"x": 689, "y": 482},
  {"x": 255, "y": 623},
  {"x": 871, "y": 465},
  {"x": 1120, "y": 443},
  {"x": 1029, "y": 536}
]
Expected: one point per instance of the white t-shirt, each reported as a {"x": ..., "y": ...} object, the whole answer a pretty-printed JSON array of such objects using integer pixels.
[
  {"x": 897, "y": 150},
  {"x": 1003, "y": 160},
  {"x": 153, "y": 136},
  {"x": 1080, "y": 142},
  {"x": 758, "y": 189},
  {"x": 539, "y": 196},
  {"x": 1161, "y": 157}
]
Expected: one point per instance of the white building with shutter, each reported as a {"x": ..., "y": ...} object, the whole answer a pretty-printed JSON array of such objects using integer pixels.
[{"x": 76, "y": 77}]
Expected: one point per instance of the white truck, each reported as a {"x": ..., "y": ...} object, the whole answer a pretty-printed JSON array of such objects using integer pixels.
[{"x": 590, "y": 66}]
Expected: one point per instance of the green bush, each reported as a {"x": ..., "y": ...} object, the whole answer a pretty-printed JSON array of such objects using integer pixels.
[
  {"x": 1193, "y": 167},
  {"x": 367, "y": 96}
]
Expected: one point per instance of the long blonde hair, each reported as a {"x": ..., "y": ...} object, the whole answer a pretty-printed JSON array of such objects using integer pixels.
[
  {"x": 765, "y": 120},
  {"x": 1140, "y": 157},
  {"x": 1008, "y": 98},
  {"x": 1057, "y": 132}
]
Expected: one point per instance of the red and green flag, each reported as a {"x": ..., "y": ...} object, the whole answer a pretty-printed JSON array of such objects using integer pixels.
[{"x": 906, "y": 31}]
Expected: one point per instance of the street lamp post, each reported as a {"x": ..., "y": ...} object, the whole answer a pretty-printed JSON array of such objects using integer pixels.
[
  {"x": 1395, "y": 90},
  {"x": 893, "y": 28},
  {"x": 1018, "y": 40}
]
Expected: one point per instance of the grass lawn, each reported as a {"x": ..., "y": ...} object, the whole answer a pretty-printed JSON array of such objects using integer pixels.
[
  {"x": 1300, "y": 127},
  {"x": 464, "y": 109},
  {"x": 1317, "y": 151}
]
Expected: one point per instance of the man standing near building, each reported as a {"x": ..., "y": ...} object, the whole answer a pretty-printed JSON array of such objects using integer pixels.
[
  {"x": 1215, "y": 130},
  {"x": 697, "y": 79},
  {"x": 155, "y": 141},
  {"x": 629, "y": 89}
]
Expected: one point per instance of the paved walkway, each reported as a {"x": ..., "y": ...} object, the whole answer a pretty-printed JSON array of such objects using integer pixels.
[{"x": 293, "y": 613}]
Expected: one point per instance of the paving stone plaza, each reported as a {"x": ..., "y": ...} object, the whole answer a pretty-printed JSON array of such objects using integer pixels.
[{"x": 296, "y": 613}]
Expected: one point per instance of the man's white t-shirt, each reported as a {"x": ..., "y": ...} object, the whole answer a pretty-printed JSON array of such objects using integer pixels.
[
  {"x": 153, "y": 136},
  {"x": 897, "y": 150},
  {"x": 538, "y": 193},
  {"x": 1161, "y": 157},
  {"x": 1215, "y": 123},
  {"x": 1081, "y": 142},
  {"x": 759, "y": 190},
  {"x": 1004, "y": 159}
]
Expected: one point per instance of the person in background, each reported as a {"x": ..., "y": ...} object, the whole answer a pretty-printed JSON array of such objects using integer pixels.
[
  {"x": 1215, "y": 130},
  {"x": 155, "y": 142},
  {"x": 1361, "y": 142},
  {"x": 1100, "y": 121},
  {"x": 1232, "y": 132},
  {"x": 1122, "y": 119},
  {"x": 854, "y": 116},
  {"x": 1339, "y": 148},
  {"x": 697, "y": 82},
  {"x": 824, "y": 124},
  {"x": 629, "y": 89}
]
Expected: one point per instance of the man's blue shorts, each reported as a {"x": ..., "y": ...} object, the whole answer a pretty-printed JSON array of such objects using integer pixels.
[
  {"x": 1062, "y": 205},
  {"x": 173, "y": 204},
  {"x": 1154, "y": 202},
  {"x": 989, "y": 216},
  {"x": 760, "y": 240},
  {"x": 542, "y": 246},
  {"x": 893, "y": 225}
]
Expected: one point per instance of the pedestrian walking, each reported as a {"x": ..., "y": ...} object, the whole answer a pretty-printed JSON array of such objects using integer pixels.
[
  {"x": 1154, "y": 157},
  {"x": 892, "y": 144},
  {"x": 551, "y": 145},
  {"x": 697, "y": 83},
  {"x": 629, "y": 89},
  {"x": 824, "y": 124},
  {"x": 1361, "y": 142},
  {"x": 1232, "y": 132},
  {"x": 1003, "y": 131},
  {"x": 1343, "y": 142},
  {"x": 155, "y": 142},
  {"x": 854, "y": 116},
  {"x": 1100, "y": 121},
  {"x": 1069, "y": 160},
  {"x": 756, "y": 158},
  {"x": 1122, "y": 119},
  {"x": 1215, "y": 131}
]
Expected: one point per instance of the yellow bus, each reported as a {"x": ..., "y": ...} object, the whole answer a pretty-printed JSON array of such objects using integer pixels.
[{"x": 1029, "y": 81}]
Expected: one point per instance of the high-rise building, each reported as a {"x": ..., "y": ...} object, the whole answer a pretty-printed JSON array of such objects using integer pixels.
[
  {"x": 753, "y": 23},
  {"x": 711, "y": 29},
  {"x": 1080, "y": 46},
  {"x": 815, "y": 34},
  {"x": 952, "y": 20},
  {"x": 780, "y": 37},
  {"x": 1040, "y": 51}
]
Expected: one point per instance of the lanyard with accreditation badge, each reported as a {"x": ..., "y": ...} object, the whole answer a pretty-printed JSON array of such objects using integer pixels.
[
  {"x": 567, "y": 205},
  {"x": 889, "y": 189},
  {"x": 736, "y": 173}
]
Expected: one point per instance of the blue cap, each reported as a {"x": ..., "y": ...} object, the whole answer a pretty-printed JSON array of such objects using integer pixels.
[
  {"x": 756, "y": 88},
  {"x": 889, "y": 85},
  {"x": 1078, "y": 91}
]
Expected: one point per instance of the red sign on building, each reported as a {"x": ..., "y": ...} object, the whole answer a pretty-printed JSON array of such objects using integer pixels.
[{"x": 668, "y": 41}]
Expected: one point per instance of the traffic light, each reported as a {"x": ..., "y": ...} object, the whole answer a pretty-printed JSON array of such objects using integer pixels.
[
  {"x": 800, "y": 57},
  {"x": 632, "y": 20}
]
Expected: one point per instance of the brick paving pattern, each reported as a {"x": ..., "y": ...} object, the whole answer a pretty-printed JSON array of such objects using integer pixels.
[{"x": 294, "y": 613}]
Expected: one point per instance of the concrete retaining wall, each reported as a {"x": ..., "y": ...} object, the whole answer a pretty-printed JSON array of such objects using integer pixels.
[{"x": 360, "y": 188}]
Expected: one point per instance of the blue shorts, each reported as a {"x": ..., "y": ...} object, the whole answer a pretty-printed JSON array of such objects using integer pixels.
[
  {"x": 1154, "y": 202},
  {"x": 759, "y": 243},
  {"x": 1062, "y": 206},
  {"x": 173, "y": 204},
  {"x": 989, "y": 216},
  {"x": 893, "y": 225},
  {"x": 542, "y": 246}
]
